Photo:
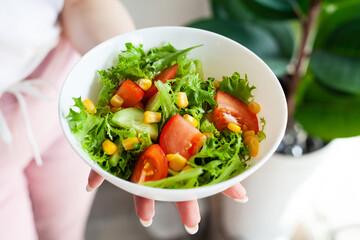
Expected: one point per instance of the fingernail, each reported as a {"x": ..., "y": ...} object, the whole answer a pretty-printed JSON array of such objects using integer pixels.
[
  {"x": 88, "y": 188},
  {"x": 192, "y": 230},
  {"x": 242, "y": 200},
  {"x": 146, "y": 223}
]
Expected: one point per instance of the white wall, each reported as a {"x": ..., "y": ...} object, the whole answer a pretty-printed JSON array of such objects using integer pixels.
[{"x": 149, "y": 13}]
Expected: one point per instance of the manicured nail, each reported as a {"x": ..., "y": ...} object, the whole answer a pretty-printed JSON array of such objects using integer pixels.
[
  {"x": 192, "y": 230},
  {"x": 146, "y": 223},
  {"x": 88, "y": 188},
  {"x": 242, "y": 200}
]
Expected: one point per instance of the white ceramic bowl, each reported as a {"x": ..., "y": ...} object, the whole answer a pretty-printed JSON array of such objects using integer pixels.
[{"x": 220, "y": 56}]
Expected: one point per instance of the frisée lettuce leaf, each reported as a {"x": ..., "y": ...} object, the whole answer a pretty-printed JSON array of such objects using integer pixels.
[{"x": 238, "y": 87}]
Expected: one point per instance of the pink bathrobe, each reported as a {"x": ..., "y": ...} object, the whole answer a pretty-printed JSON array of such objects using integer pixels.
[{"x": 47, "y": 202}]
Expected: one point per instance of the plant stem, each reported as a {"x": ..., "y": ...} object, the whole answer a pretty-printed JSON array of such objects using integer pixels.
[{"x": 308, "y": 25}]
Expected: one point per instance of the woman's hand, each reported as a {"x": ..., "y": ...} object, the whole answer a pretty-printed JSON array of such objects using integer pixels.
[{"x": 188, "y": 210}]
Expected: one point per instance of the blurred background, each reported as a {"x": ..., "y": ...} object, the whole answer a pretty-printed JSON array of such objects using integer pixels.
[{"x": 310, "y": 188}]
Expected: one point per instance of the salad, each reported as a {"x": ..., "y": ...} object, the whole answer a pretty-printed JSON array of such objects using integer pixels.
[{"x": 157, "y": 122}]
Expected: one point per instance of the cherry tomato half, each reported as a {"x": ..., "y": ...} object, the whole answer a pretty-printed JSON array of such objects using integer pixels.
[
  {"x": 232, "y": 110},
  {"x": 151, "y": 165},
  {"x": 165, "y": 75},
  {"x": 131, "y": 93},
  {"x": 180, "y": 136}
]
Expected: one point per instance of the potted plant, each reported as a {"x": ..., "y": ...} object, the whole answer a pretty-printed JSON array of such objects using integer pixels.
[{"x": 313, "y": 47}]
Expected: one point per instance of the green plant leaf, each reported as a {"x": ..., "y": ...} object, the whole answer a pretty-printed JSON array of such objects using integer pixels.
[
  {"x": 234, "y": 10},
  {"x": 336, "y": 71},
  {"x": 271, "y": 9},
  {"x": 325, "y": 113},
  {"x": 338, "y": 24},
  {"x": 272, "y": 43},
  {"x": 283, "y": 35},
  {"x": 277, "y": 65},
  {"x": 345, "y": 39},
  {"x": 250, "y": 35}
]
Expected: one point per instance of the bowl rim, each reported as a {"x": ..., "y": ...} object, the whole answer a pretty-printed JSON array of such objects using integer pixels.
[{"x": 208, "y": 189}]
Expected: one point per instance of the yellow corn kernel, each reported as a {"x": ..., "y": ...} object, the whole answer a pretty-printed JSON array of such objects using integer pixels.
[
  {"x": 244, "y": 127},
  {"x": 176, "y": 161},
  {"x": 254, "y": 107},
  {"x": 208, "y": 135},
  {"x": 89, "y": 106},
  {"x": 248, "y": 139},
  {"x": 182, "y": 100},
  {"x": 187, "y": 167},
  {"x": 249, "y": 133},
  {"x": 234, "y": 127},
  {"x": 216, "y": 84},
  {"x": 128, "y": 143},
  {"x": 254, "y": 147},
  {"x": 191, "y": 120},
  {"x": 152, "y": 117},
  {"x": 116, "y": 101},
  {"x": 109, "y": 147},
  {"x": 145, "y": 84}
]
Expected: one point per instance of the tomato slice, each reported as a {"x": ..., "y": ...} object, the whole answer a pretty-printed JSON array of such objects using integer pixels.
[
  {"x": 232, "y": 110},
  {"x": 180, "y": 136},
  {"x": 151, "y": 165},
  {"x": 165, "y": 75},
  {"x": 131, "y": 93}
]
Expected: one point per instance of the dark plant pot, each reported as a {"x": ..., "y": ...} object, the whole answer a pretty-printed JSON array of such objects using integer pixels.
[{"x": 297, "y": 142}]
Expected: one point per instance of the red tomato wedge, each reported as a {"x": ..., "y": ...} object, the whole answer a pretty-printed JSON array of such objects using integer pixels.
[
  {"x": 151, "y": 165},
  {"x": 180, "y": 136},
  {"x": 232, "y": 110},
  {"x": 131, "y": 93},
  {"x": 165, "y": 75}
]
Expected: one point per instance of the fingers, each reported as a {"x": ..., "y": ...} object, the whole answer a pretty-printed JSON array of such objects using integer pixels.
[
  {"x": 190, "y": 215},
  {"x": 237, "y": 192},
  {"x": 94, "y": 181},
  {"x": 188, "y": 211},
  {"x": 145, "y": 210}
]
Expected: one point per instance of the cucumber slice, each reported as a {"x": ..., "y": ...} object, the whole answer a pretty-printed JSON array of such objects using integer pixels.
[
  {"x": 114, "y": 159},
  {"x": 153, "y": 103},
  {"x": 133, "y": 118}
]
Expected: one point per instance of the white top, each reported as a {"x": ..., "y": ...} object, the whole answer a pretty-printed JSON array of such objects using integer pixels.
[{"x": 29, "y": 29}]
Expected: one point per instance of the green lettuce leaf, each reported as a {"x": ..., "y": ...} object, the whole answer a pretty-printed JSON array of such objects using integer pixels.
[
  {"x": 168, "y": 102},
  {"x": 77, "y": 117},
  {"x": 199, "y": 93},
  {"x": 163, "y": 57},
  {"x": 131, "y": 63},
  {"x": 221, "y": 158},
  {"x": 237, "y": 87},
  {"x": 184, "y": 179},
  {"x": 110, "y": 84},
  {"x": 207, "y": 127}
]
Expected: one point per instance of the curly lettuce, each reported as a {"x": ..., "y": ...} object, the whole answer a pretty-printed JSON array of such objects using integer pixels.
[{"x": 238, "y": 87}]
